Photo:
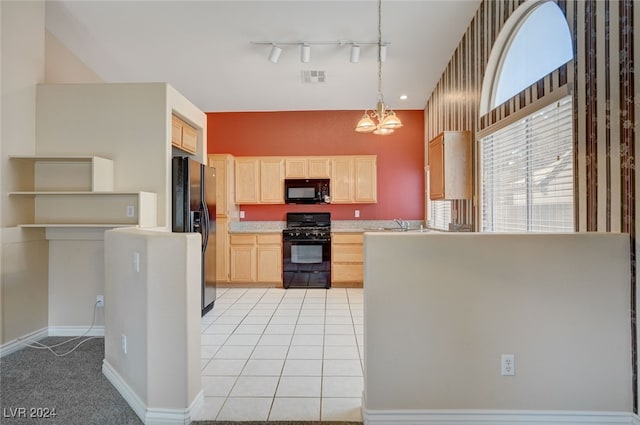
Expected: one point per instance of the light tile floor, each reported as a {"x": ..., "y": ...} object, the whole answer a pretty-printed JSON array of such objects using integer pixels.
[{"x": 276, "y": 354}]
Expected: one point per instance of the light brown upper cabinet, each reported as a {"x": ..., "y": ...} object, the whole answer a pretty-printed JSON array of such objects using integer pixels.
[
  {"x": 225, "y": 187},
  {"x": 295, "y": 168},
  {"x": 271, "y": 181},
  {"x": 450, "y": 169},
  {"x": 319, "y": 168},
  {"x": 299, "y": 167},
  {"x": 183, "y": 136},
  {"x": 247, "y": 178},
  {"x": 354, "y": 179},
  {"x": 259, "y": 180}
]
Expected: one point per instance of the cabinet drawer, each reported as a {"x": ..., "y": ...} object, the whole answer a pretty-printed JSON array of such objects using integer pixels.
[
  {"x": 270, "y": 238},
  {"x": 242, "y": 239},
  {"x": 347, "y": 253},
  {"x": 351, "y": 238},
  {"x": 347, "y": 272}
]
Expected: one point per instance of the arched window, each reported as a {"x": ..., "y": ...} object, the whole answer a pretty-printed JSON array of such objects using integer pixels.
[
  {"x": 526, "y": 160},
  {"x": 534, "y": 42}
]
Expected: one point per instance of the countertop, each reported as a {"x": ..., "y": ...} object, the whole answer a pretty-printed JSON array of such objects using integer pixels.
[{"x": 337, "y": 226}]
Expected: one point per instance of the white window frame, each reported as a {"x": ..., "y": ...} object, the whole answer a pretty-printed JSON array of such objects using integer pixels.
[
  {"x": 498, "y": 52},
  {"x": 523, "y": 114}
]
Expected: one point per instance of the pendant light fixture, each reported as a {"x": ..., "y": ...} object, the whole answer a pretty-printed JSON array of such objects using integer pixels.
[{"x": 387, "y": 120}]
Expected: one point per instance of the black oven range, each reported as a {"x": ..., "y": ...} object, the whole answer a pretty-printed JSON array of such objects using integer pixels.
[{"x": 306, "y": 251}]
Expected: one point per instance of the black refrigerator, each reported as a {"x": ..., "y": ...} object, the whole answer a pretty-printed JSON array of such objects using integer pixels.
[{"x": 194, "y": 210}]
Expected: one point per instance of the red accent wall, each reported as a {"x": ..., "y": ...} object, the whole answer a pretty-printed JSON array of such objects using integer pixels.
[{"x": 400, "y": 155}]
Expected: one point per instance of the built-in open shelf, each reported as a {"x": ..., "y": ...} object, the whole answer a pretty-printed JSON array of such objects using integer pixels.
[
  {"x": 82, "y": 226},
  {"x": 69, "y": 173},
  {"x": 77, "y": 191}
]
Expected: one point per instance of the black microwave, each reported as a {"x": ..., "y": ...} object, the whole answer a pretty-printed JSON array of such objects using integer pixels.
[{"x": 306, "y": 191}]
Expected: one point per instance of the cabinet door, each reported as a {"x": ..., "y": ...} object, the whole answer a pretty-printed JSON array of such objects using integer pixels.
[
  {"x": 243, "y": 263},
  {"x": 176, "y": 132},
  {"x": 225, "y": 188},
  {"x": 436, "y": 168},
  {"x": 189, "y": 138},
  {"x": 341, "y": 180},
  {"x": 295, "y": 168},
  {"x": 346, "y": 257},
  {"x": 450, "y": 166},
  {"x": 365, "y": 179},
  {"x": 271, "y": 181},
  {"x": 269, "y": 263},
  {"x": 343, "y": 273},
  {"x": 319, "y": 168},
  {"x": 220, "y": 164},
  {"x": 222, "y": 250},
  {"x": 247, "y": 180}
]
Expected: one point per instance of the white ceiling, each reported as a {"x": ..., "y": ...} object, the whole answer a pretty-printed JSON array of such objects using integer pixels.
[{"x": 203, "y": 48}]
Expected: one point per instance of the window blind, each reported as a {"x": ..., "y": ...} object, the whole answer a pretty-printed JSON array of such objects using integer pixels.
[
  {"x": 439, "y": 214},
  {"x": 527, "y": 173}
]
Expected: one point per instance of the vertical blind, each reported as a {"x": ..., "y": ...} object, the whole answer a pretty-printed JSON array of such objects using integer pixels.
[{"x": 527, "y": 173}]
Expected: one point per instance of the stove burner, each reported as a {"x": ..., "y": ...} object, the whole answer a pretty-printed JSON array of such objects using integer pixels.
[{"x": 307, "y": 226}]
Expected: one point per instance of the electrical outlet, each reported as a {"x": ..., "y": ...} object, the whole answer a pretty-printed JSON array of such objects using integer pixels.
[
  {"x": 123, "y": 342},
  {"x": 241, "y": 214},
  {"x": 100, "y": 300},
  {"x": 508, "y": 365},
  {"x": 131, "y": 211},
  {"x": 357, "y": 214}
]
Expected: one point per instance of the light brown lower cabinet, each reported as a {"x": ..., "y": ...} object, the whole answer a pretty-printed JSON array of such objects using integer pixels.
[
  {"x": 256, "y": 257},
  {"x": 346, "y": 258}
]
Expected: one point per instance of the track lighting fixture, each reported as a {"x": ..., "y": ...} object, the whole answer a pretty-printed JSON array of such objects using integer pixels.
[
  {"x": 305, "y": 48},
  {"x": 274, "y": 55}
]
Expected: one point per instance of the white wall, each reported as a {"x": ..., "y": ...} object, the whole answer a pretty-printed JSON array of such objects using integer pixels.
[
  {"x": 440, "y": 309},
  {"x": 158, "y": 310},
  {"x": 128, "y": 123},
  {"x": 23, "y": 254},
  {"x": 30, "y": 55},
  {"x": 62, "y": 66}
]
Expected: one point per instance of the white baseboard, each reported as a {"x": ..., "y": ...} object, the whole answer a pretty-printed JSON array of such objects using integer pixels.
[
  {"x": 124, "y": 389},
  {"x": 15, "y": 345},
  {"x": 150, "y": 416},
  {"x": 76, "y": 331},
  {"x": 498, "y": 417}
]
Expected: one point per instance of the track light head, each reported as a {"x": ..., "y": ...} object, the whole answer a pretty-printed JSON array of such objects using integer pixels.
[
  {"x": 355, "y": 53},
  {"x": 274, "y": 55},
  {"x": 305, "y": 53},
  {"x": 383, "y": 53}
]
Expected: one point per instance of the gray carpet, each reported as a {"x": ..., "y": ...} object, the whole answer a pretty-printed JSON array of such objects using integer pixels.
[{"x": 75, "y": 386}]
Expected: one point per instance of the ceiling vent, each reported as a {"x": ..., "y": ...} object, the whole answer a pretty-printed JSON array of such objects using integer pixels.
[{"x": 313, "y": 77}]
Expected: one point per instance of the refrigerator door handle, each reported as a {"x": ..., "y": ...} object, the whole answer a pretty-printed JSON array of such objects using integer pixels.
[{"x": 205, "y": 227}]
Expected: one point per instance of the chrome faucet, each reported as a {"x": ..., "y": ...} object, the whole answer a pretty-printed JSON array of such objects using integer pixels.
[{"x": 403, "y": 224}]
